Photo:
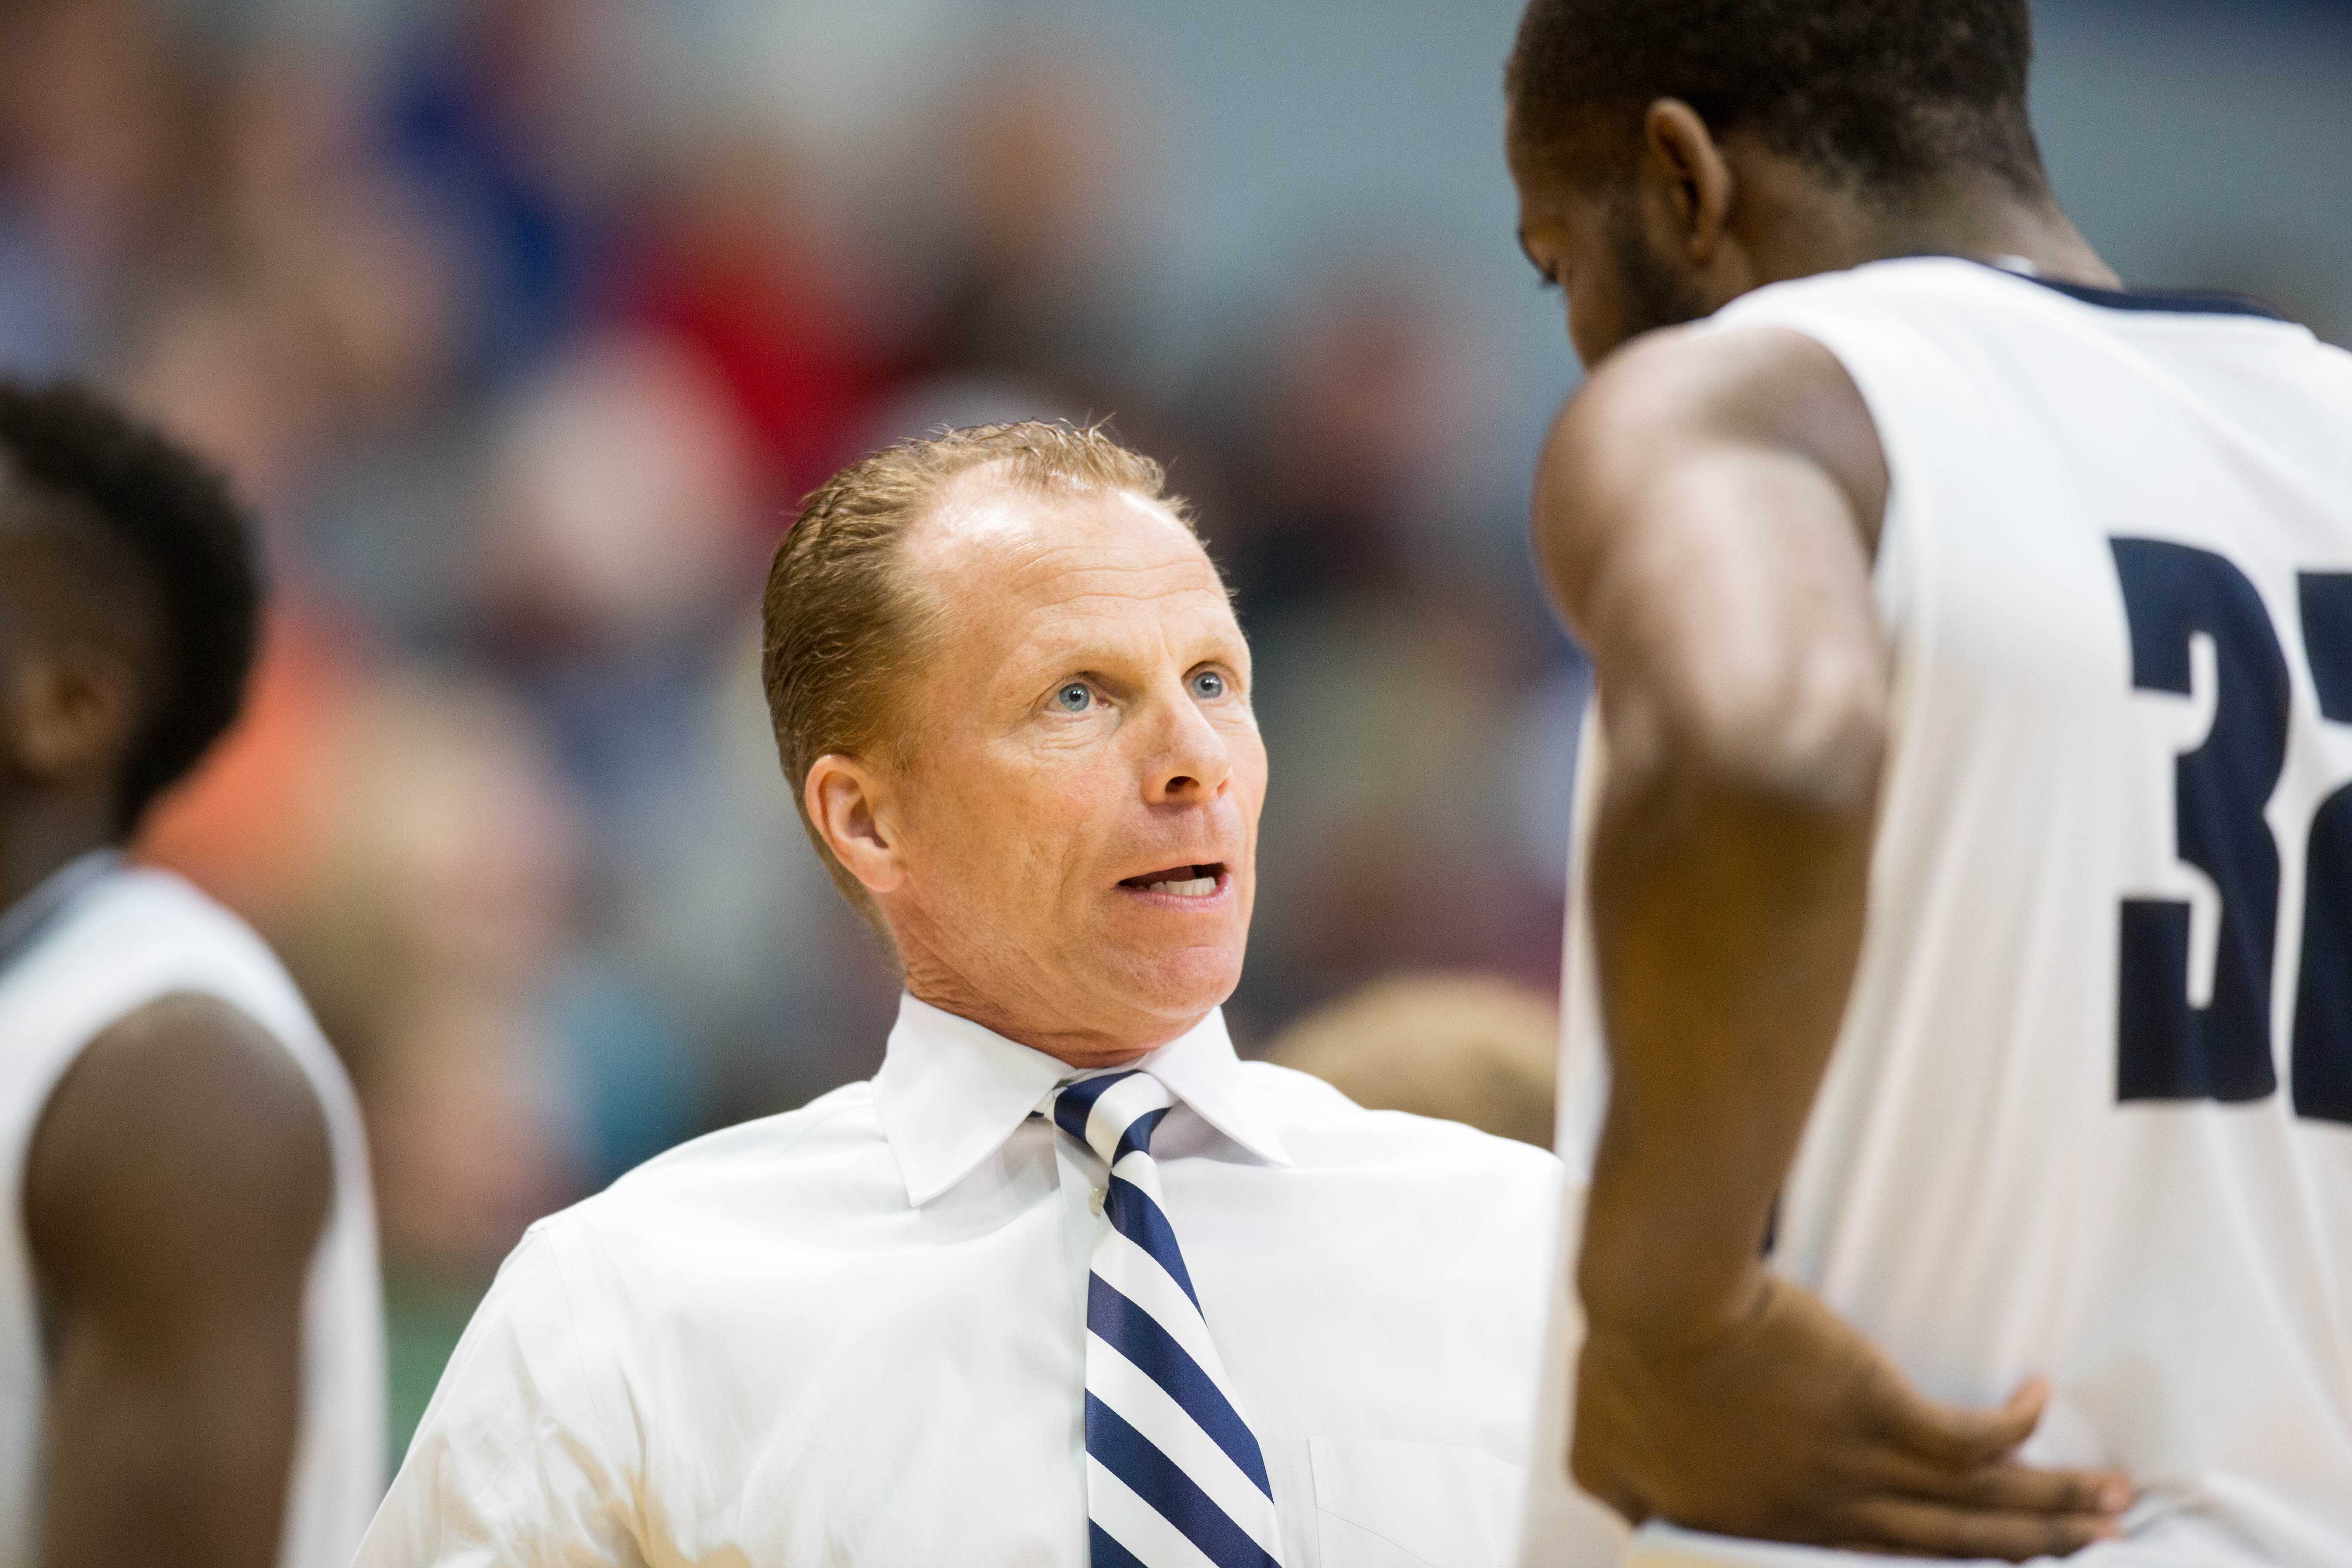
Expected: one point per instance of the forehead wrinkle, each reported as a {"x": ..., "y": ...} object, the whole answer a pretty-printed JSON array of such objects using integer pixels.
[
  {"x": 1104, "y": 619},
  {"x": 1047, "y": 582},
  {"x": 1070, "y": 573},
  {"x": 1105, "y": 628}
]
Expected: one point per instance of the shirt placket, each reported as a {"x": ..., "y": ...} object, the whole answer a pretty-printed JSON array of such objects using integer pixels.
[{"x": 1083, "y": 1182}]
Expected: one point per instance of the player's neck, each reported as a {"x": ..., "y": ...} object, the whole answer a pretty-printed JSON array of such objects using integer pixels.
[
  {"x": 1978, "y": 216},
  {"x": 2000, "y": 226},
  {"x": 38, "y": 841}
]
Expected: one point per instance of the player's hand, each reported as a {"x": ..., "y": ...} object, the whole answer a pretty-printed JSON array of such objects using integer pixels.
[{"x": 1789, "y": 1426}]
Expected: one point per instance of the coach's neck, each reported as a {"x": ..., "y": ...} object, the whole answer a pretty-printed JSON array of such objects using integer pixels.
[{"x": 1088, "y": 1030}]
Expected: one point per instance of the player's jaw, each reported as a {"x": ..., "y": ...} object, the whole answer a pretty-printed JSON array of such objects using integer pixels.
[
  {"x": 1649, "y": 292},
  {"x": 1618, "y": 280}
]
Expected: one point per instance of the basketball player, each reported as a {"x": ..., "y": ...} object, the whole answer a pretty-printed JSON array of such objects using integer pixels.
[
  {"x": 191, "y": 1355},
  {"x": 1965, "y": 904}
]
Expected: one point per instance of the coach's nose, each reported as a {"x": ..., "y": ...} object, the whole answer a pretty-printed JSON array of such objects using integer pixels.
[{"x": 1188, "y": 760}]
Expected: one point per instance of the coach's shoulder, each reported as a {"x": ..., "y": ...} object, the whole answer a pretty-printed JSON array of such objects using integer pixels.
[
  {"x": 683, "y": 1231},
  {"x": 831, "y": 1146},
  {"x": 831, "y": 1123}
]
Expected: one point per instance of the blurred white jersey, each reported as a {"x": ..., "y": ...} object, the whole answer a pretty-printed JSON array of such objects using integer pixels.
[
  {"x": 104, "y": 944},
  {"x": 2089, "y": 1115}
]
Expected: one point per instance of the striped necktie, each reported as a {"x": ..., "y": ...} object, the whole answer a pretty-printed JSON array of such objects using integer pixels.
[{"x": 1175, "y": 1478}]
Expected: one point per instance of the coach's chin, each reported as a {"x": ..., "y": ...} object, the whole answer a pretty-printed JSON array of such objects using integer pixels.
[{"x": 1067, "y": 1283}]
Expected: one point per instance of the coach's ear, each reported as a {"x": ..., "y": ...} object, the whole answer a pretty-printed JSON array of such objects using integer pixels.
[
  {"x": 850, "y": 805},
  {"x": 1688, "y": 180}
]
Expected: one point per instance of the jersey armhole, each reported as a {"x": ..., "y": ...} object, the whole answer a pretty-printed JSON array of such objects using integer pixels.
[{"x": 1858, "y": 343}]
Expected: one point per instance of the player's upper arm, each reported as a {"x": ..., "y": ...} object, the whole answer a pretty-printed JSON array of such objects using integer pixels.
[
  {"x": 181, "y": 1169},
  {"x": 1706, "y": 513},
  {"x": 177, "y": 1185}
]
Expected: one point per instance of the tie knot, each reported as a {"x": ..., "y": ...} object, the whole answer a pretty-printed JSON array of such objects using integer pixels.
[{"x": 1114, "y": 1115}]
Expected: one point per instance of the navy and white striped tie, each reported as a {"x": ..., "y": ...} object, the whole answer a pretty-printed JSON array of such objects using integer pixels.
[{"x": 1174, "y": 1478}]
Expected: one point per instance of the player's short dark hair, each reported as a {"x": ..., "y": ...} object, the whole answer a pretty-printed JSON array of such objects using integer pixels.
[
  {"x": 68, "y": 449},
  {"x": 1885, "y": 94}
]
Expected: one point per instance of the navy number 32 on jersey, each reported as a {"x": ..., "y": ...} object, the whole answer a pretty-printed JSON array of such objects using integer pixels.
[{"x": 2168, "y": 1047}]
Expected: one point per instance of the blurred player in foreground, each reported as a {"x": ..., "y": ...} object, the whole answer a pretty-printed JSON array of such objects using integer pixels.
[
  {"x": 191, "y": 1356},
  {"x": 1970, "y": 868}
]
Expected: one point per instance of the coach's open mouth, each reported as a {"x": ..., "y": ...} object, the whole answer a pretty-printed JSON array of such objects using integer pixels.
[{"x": 1196, "y": 881}]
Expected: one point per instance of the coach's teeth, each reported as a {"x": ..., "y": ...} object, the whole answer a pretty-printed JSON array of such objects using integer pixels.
[{"x": 1198, "y": 888}]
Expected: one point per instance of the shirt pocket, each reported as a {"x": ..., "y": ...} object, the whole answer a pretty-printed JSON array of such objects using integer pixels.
[{"x": 1382, "y": 1503}]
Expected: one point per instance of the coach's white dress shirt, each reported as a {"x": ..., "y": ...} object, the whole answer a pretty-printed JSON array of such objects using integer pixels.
[{"x": 855, "y": 1334}]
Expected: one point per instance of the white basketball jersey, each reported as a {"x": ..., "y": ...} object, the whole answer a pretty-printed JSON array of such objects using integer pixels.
[
  {"x": 124, "y": 938},
  {"x": 2089, "y": 1115}
]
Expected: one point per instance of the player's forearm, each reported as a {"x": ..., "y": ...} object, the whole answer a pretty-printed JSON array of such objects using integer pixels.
[{"x": 1727, "y": 914}]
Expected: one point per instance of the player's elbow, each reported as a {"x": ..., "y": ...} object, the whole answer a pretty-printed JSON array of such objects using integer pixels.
[{"x": 1818, "y": 738}]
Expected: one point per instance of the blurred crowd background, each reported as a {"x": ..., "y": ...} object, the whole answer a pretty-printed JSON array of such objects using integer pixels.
[{"x": 523, "y": 324}]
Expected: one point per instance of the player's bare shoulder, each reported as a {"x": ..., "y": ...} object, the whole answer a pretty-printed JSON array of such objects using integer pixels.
[
  {"x": 235, "y": 1169},
  {"x": 1706, "y": 510},
  {"x": 1670, "y": 397}
]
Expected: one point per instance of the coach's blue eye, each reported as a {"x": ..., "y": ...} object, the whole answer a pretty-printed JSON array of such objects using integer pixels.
[
  {"x": 1074, "y": 698},
  {"x": 1208, "y": 686}
]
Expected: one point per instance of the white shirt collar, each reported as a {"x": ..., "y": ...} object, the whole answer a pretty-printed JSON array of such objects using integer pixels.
[{"x": 950, "y": 1093}]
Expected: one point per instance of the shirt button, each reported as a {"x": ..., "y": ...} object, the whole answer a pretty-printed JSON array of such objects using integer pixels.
[{"x": 1094, "y": 1201}]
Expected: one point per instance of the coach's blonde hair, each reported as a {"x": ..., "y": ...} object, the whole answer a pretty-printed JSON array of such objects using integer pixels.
[{"x": 843, "y": 629}]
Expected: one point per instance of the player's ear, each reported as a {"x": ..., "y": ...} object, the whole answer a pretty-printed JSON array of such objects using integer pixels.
[
  {"x": 851, "y": 803},
  {"x": 1681, "y": 158},
  {"x": 69, "y": 712}
]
